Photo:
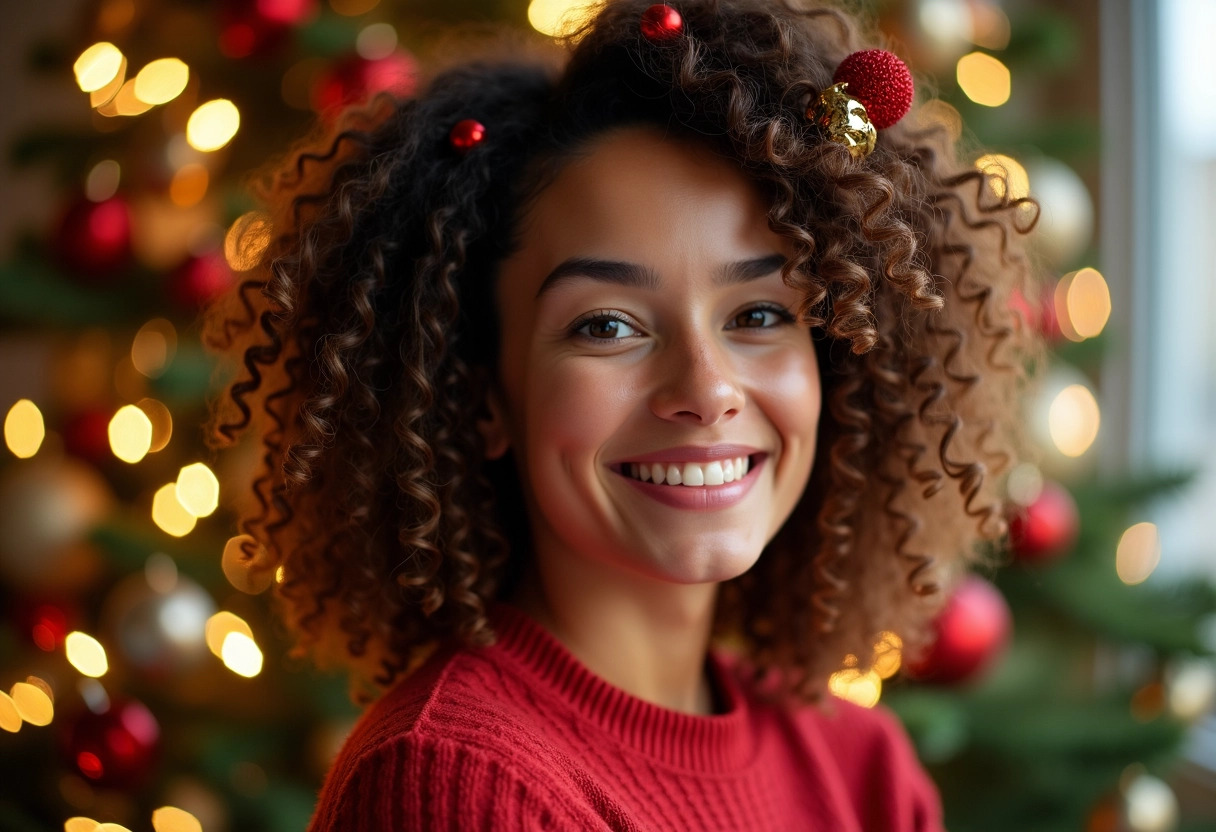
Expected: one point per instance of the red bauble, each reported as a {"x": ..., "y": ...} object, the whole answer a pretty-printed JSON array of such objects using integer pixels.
[
  {"x": 259, "y": 27},
  {"x": 880, "y": 81},
  {"x": 87, "y": 435},
  {"x": 200, "y": 280},
  {"x": 117, "y": 748},
  {"x": 1047, "y": 528},
  {"x": 355, "y": 79},
  {"x": 93, "y": 240},
  {"x": 45, "y": 623},
  {"x": 661, "y": 22},
  {"x": 972, "y": 632},
  {"x": 467, "y": 134}
]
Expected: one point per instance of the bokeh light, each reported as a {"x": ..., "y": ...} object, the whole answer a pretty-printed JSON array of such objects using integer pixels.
[
  {"x": 1073, "y": 420},
  {"x": 80, "y": 824},
  {"x": 888, "y": 654},
  {"x": 10, "y": 719},
  {"x": 154, "y": 347},
  {"x": 33, "y": 704},
  {"x": 189, "y": 185},
  {"x": 1006, "y": 175},
  {"x": 936, "y": 111},
  {"x": 376, "y": 41},
  {"x": 86, "y": 654},
  {"x": 169, "y": 514},
  {"x": 213, "y": 125},
  {"x": 983, "y": 79},
  {"x": 173, "y": 819},
  {"x": 558, "y": 18},
  {"x": 241, "y": 655},
  {"x": 125, "y": 103},
  {"x": 161, "y": 81},
  {"x": 1083, "y": 300},
  {"x": 130, "y": 434},
  {"x": 97, "y": 66},
  {"x": 219, "y": 626},
  {"x": 162, "y": 423},
  {"x": 24, "y": 429},
  {"x": 198, "y": 490},
  {"x": 1138, "y": 553},
  {"x": 860, "y": 688},
  {"x": 103, "y": 180}
]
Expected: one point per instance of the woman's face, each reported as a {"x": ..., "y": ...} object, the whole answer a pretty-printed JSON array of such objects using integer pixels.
[{"x": 644, "y": 320}]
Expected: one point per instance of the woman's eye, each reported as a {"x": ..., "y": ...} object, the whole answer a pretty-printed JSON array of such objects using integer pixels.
[
  {"x": 604, "y": 328},
  {"x": 760, "y": 317}
]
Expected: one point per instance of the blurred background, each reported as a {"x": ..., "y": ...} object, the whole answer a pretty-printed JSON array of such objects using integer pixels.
[{"x": 1073, "y": 690}]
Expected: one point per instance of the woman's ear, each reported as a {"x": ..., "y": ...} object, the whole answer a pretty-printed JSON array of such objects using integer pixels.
[{"x": 492, "y": 423}]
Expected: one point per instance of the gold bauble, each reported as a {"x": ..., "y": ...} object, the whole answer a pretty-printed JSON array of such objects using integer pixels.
[{"x": 844, "y": 119}]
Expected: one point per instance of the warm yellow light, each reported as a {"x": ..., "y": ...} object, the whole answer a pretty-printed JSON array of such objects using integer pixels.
[
  {"x": 279, "y": 575},
  {"x": 24, "y": 429},
  {"x": 111, "y": 827},
  {"x": 888, "y": 654},
  {"x": 10, "y": 719},
  {"x": 125, "y": 103},
  {"x": 1024, "y": 484},
  {"x": 169, "y": 514},
  {"x": 162, "y": 423},
  {"x": 161, "y": 81},
  {"x": 34, "y": 706},
  {"x": 80, "y": 824},
  {"x": 983, "y": 79},
  {"x": 218, "y": 628},
  {"x": 241, "y": 655},
  {"x": 213, "y": 125},
  {"x": 1059, "y": 303},
  {"x": 198, "y": 490},
  {"x": 189, "y": 185},
  {"x": 97, "y": 66},
  {"x": 1073, "y": 420},
  {"x": 857, "y": 687},
  {"x": 154, "y": 347},
  {"x": 246, "y": 241},
  {"x": 173, "y": 819},
  {"x": 130, "y": 434},
  {"x": 1088, "y": 302},
  {"x": 86, "y": 654},
  {"x": 1010, "y": 177},
  {"x": 1138, "y": 553},
  {"x": 558, "y": 18},
  {"x": 102, "y": 181},
  {"x": 936, "y": 111}
]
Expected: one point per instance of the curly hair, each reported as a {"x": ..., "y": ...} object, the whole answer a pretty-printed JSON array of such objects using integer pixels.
[{"x": 368, "y": 334}]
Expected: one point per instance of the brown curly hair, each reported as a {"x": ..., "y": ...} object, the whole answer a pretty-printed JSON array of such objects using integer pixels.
[{"x": 368, "y": 334}]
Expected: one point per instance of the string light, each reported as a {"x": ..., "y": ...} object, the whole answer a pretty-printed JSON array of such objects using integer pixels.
[
  {"x": 10, "y": 718},
  {"x": 860, "y": 688},
  {"x": 24, "y": 429},
  {"x": 154, "y": 347},
  {"x": 1084, "y": 299},
  {"x": 97, "y": 66},
  {"x": 80, "y": 824},
  {"x": 888, "y": 654},
  {"x": 1006, "y": 175},
  {"x": 213, "y": 125},
  {"x": 241, "y": 655},
  {"x": 198, "y": 490},
  {"x": 173, "y": 819},
  {"x": 1138, "y": 553},
  {"x": 1073, "y": 420},
  {"x": 983, "y": 79},
  {"x": 558, "y": 18},
  {"x": 161, "y": 81},
  {"x": 169, "y": 514},
  {"x": 189, "y": 185},
  {"x": 162, "y": 423},
  {"x": 33, "y": 704},
  {"x": 219, "y": 626},
  {"x": 102, "y": 181},
  {"x": 86, "y": 654},
  {"x": 130, "y": 434}
]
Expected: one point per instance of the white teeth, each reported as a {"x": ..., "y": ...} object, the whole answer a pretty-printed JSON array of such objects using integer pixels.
[{"x": 693, "y": 474}]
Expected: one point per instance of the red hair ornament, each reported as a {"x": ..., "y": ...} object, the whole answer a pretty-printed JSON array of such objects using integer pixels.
[
  {"x": 661, "y": 23},
  {"x": 466, "y": 135},
  {"x": 873, "y": 89}
]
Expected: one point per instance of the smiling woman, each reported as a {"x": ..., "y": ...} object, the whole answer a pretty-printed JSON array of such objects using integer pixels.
[{"x": 609, "y": 401}]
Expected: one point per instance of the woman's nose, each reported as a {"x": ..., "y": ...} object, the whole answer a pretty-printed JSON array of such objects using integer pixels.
[{"x": 698, "y": 383}]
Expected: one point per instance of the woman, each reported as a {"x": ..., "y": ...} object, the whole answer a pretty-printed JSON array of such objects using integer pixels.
[{"x": 573, "y": 366}]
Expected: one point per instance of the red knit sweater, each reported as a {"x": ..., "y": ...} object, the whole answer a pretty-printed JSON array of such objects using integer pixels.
[{"x": 522, "y": 736}]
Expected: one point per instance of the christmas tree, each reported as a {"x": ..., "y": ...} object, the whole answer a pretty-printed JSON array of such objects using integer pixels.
[{"x": 149, "y": 683}]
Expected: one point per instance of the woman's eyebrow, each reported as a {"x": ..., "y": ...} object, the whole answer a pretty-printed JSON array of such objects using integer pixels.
[{"x": 637, "y": 276}]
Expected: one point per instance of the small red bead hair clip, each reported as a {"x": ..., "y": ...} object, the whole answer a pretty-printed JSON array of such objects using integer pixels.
[
  {"x": 661, "y": 23},
  {"x": 466, "y": 135},
  {"x": 872, "y": 89}
]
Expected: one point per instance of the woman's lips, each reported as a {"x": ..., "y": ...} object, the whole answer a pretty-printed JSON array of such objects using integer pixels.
[{"x": 700, "y": 497}]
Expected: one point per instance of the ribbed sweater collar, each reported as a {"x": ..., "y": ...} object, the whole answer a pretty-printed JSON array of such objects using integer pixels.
[{"x": 717, "y": 743}]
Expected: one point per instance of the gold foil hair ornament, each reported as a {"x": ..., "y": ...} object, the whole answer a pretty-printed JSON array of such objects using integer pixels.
[{"x": 872, "y": 89}]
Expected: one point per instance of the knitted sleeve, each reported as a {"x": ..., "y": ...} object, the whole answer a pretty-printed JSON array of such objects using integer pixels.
[{"x": 430, "y": 784}]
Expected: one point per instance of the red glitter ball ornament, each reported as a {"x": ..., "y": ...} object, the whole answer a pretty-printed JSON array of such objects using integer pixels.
[
  {"x": 661, "y": 22},
  {"x": 467, "y": 134},
  {"x": 1047, "y": 528},
  {"x": 972, "y": 632},
  {"x": 880, "y": 81}
]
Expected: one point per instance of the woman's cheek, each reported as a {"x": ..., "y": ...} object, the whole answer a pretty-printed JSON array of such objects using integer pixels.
[{"x": 579, "y": 403}]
